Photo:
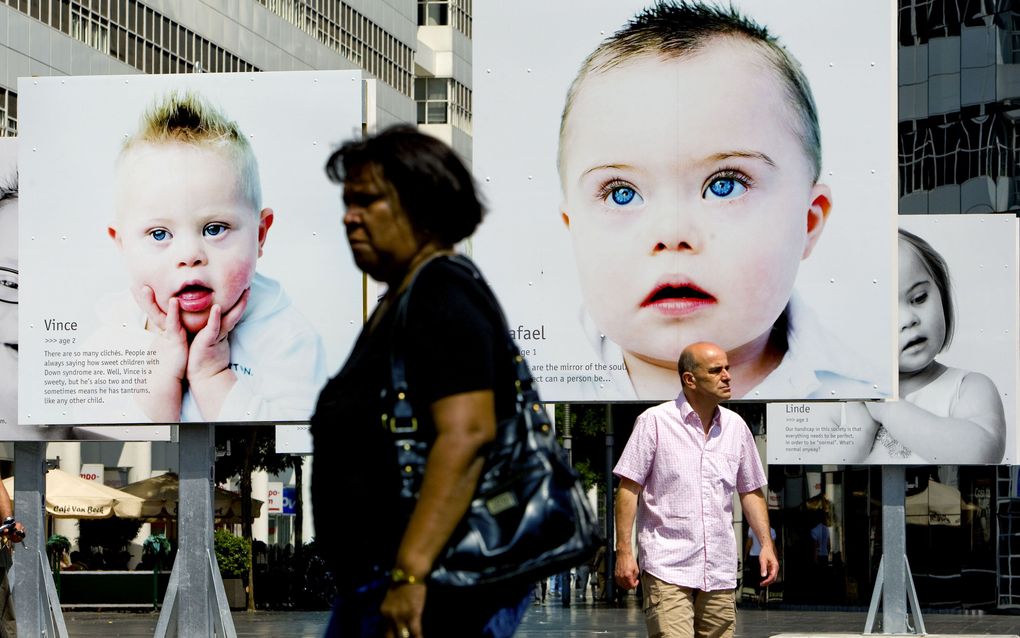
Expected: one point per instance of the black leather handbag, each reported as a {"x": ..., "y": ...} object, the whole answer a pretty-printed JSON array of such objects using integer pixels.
[{"x": 529, "y": 517}]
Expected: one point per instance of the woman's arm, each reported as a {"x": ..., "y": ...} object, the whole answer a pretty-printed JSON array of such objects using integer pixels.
[
  {"x": 974, "y": 433},
  {"x": 464, "y": 423}
]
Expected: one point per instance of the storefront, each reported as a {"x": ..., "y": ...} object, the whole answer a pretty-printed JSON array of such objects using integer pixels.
[{"x": 951, "y": 533}]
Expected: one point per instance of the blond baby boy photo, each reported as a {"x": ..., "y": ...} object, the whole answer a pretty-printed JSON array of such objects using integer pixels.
[{"x": 190, "y": 226}]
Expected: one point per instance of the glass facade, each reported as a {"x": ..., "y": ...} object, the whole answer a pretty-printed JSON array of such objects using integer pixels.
[
  {"x": 959, "y": 86},
  {"x": 946, "y": 507}
]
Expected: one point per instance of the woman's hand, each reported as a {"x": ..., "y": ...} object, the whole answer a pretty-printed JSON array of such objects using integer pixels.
[{"x": 402, "y": 608}]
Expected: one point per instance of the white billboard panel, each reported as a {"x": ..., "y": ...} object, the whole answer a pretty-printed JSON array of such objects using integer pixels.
[
  {"x": 679, "y": 203},
  {"x": 293, "y": 439},
  {"x": 171, "y": 279}
]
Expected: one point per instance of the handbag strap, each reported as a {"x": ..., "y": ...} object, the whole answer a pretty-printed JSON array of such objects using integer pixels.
[{"x": 401, "y": 422}]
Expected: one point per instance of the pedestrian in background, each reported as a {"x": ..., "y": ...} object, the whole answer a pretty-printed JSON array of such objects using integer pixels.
[{"x": 685, "y": 459}]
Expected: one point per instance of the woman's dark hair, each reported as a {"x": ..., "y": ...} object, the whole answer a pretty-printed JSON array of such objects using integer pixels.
[{"x": 432, "y": 185}]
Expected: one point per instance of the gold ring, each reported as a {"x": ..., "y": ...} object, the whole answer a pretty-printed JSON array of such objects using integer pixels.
[{"x": 405, "y": 632}]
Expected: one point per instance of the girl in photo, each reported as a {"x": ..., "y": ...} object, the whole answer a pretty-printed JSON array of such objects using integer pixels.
[{"x": 944, "y": 412}]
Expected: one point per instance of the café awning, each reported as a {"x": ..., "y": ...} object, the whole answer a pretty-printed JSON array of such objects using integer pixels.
[{"x": 70, "y": 496}]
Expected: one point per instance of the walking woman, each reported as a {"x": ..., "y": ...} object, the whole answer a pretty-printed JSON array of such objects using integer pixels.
[{"x": 408, "y": 200}]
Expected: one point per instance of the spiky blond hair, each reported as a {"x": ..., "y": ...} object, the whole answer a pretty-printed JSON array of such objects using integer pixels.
[{"x": 188, "y": 118}]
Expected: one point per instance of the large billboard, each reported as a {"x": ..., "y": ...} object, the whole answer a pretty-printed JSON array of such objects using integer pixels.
[
  {"x": 957, "y": 354},
  {"x": 182, "y": 249},
  {"x": 674, "y": 188}
]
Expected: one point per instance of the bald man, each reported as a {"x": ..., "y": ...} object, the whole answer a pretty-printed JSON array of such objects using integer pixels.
[{"x": 685, "y": 459}]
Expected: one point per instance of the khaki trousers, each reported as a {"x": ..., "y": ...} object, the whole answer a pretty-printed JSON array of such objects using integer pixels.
[{"x": 672, "y": 611}]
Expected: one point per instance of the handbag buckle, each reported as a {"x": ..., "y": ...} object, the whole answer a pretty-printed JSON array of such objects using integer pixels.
[{"x": 396, "y": 428}]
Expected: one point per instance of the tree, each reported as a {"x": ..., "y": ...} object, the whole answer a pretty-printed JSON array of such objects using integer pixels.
[{"x": 252, "y": 447}]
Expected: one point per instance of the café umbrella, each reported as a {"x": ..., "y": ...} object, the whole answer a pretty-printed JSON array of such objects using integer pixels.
[
  {"x": 70, "y": 496},
  {"x": 160, "y": 496}
]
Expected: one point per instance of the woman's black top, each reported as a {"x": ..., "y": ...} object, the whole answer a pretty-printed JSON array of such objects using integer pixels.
[{"x": 455, "y": 343}]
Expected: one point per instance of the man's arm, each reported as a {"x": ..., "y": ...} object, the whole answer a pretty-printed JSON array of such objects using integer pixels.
[
  {"x": 6, "y": 506},
  {"x": 7, "y": 510},
  {"x": 626, "y": 572},
  {"x": 757, "y": 514}
]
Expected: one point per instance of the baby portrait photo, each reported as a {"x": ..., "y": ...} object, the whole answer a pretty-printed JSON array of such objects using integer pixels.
[
  {"x": 179, "y": 247},
  {"x": 956, "y": 352},
  {"x": 663, "y": 173}
]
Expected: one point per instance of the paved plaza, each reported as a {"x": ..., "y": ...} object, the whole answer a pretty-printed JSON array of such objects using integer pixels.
[{"x": 551, "y": 619}]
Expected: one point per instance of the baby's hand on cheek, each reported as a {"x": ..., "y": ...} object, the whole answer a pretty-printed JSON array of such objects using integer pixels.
[
  {"x": 170, "y": 341},
  {"x": 209, "y": 375},
  {"x": 210, "y": 349}
]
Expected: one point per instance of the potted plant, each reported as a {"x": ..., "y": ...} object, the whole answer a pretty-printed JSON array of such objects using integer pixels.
[
  {"x": 232, "y": 556},
  {"x": 157, "y": 547},
  {"x": 56, "y": 547}
]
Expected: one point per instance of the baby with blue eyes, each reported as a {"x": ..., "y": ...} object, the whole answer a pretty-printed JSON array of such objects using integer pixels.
[
  {"x": 190, "y": 227},
  {"x": 689, "y": 160}
]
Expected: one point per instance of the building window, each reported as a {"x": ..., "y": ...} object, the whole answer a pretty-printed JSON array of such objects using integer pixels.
[
  {"x": 432, "y": 13},
  {"x": 8, "y": 113},
  {"x": 90, "y": 28},
  {"x": 431, "y": 97}
]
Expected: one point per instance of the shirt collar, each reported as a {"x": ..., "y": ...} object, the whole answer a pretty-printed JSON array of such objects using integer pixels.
[{"x": 690, "y": 417}]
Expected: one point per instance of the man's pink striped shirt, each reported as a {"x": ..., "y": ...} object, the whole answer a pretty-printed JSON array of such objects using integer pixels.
[{"x": 685, "y": 513}]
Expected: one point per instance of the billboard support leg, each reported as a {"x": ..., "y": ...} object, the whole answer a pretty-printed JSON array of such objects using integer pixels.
[
  {"x": 36, "y": 606},
  {"x": 894, "y": 582},
  {"x": 195, "y": 597}
]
